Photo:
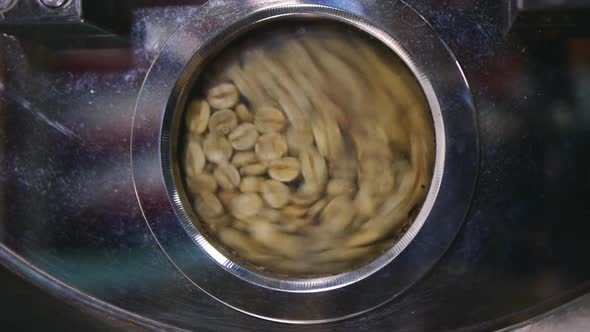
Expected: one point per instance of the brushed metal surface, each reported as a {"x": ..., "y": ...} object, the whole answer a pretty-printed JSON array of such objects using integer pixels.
[
  {"x": 68, "y": 206},
  {"x": 304, "y": 301}
]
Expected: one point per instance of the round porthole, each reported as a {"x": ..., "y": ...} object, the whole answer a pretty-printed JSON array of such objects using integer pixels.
[{"x": 304, "y": 154}]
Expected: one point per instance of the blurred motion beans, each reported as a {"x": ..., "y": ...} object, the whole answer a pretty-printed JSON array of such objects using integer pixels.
[{"x": 311, "y": 156}]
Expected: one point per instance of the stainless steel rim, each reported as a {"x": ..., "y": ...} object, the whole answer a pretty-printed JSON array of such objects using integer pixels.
[
  {"x": 170, "y": 131},
  {"x": 165, "y": 90}
]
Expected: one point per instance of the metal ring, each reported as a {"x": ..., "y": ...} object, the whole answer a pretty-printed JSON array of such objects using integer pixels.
[
  {"x": 165, "y": 90},
  {"x": 170, "y": 131}
]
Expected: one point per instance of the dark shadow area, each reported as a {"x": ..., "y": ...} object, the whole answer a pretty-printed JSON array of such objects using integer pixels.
[{"x": 26, "y": 308}]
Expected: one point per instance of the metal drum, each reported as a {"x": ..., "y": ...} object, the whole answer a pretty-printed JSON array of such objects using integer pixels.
[{"x": 92, "y": 211}]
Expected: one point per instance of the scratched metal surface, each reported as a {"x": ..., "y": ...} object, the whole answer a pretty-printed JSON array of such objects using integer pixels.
[{"x": 67, "y": 203}]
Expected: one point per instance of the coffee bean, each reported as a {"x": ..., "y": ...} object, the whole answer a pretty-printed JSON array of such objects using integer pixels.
[
  {"x": 269, "y": 120},
  {"x": 285, "y": 169},
  {"x": 244, "y": 158},
  {"x": 244, "y": 137},
  {"x": 244, "y": 114},
  {"x": 197, "y": 116},
  {"x": 254, "y": 169},
  {"x": 271, "y": 147},
  {"x": 251, "y": 184},
  {"x": 195, "y": 159},
  {"x": 202, "y": 182},
  {"x": 246, "y": 205},
  {"x": 223, "y": 122},
  {"x": 207, "y": 205},
  {"x": 227, "y": 176},
  {"x": 276, "y": 194},
  {"x": 217, "y": 149},
  {"x": 222, "y": 96}
]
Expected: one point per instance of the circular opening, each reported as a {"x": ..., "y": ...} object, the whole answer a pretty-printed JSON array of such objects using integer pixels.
[{"x": 305, "y": 149}]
